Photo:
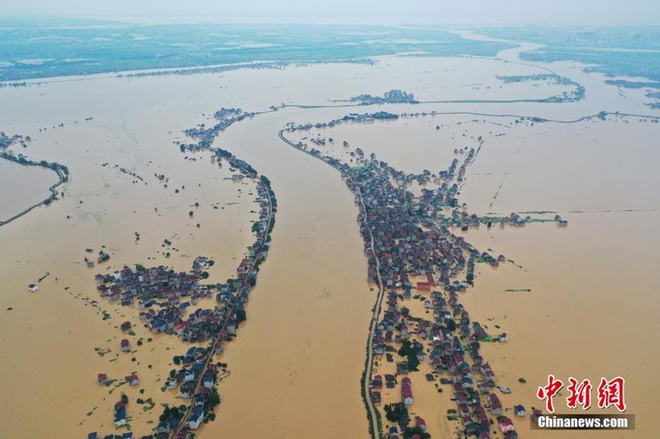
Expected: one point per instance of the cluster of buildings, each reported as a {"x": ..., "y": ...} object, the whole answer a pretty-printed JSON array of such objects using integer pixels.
[
  {"x": 411, "y": 249},
  {"x": 225, "y": 117},
  {"x": 349, "y": 118},
  {"x": 389, "y": 97},
  {"x": 195, "y": 381},
  {"x": 6, "y": 140},
  {"x": 517, "y": 220},
  {"x": 169, "y": 302},
  {"x": 415, "y": 253},
  {"x": 161, "y": 295}
]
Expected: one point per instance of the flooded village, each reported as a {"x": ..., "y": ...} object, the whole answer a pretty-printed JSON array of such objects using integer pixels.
[
  {"x": 421, "y": 267},
  {"x": 435, "y": 291},
  {"x": 418, "y": 263},
  {"x": 174, "y": 303}
]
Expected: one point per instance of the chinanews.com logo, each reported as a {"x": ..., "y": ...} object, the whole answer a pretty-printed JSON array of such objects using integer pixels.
[{"x": 609, "y": 393}]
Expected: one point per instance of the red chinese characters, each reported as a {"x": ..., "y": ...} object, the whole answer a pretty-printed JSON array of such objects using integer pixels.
[
  {"x": 611, "y": 393},
  {"x": 548, "y": 392},
  {"x": 579, "y": 394}
]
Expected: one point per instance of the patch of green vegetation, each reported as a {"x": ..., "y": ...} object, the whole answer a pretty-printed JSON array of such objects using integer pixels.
[
  {"x": 408, "y": 350},
  {"x": 240, "y": 316},
  {"x": 102, "y": 352},
  {"x": 149, "y": 404},
  {"x": 212, "y": 400},
  {"x": 397, "y": 413},
  {"x": 412, "y": 431}
]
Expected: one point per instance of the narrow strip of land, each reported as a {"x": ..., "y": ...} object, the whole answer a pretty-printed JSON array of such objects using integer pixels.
[
  {"x": 62, "y": 177},
  {"x": 211, "y": 351}
]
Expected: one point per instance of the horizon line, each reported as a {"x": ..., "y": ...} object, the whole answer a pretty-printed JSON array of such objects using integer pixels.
[{"x": 148, "y": 20}]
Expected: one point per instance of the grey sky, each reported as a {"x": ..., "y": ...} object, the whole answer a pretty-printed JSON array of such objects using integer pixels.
[{"x": 357, "y": 11}]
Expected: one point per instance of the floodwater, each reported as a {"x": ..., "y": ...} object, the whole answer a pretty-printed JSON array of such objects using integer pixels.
[
  {"x": 296, "y": 364},
  {"x": 298, "y": 361},
  {"x": 22, "y": 187},
  {"x": 575, "y": 300},
  {"x": 57, "y": 337}
]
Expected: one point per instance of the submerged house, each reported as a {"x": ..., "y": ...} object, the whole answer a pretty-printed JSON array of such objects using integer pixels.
[
  {"x": 505, "y": 424},
  {"x": 120, "y": 414},
  {"x": 406, "y": 391},
  {"x": 208, "y": 381},
  {"x": 495, "y": 404},
  {"x": 196, "y": 419}
]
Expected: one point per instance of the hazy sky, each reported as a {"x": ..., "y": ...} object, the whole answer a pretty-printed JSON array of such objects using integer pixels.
[{"x": 357, "y": 11}]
